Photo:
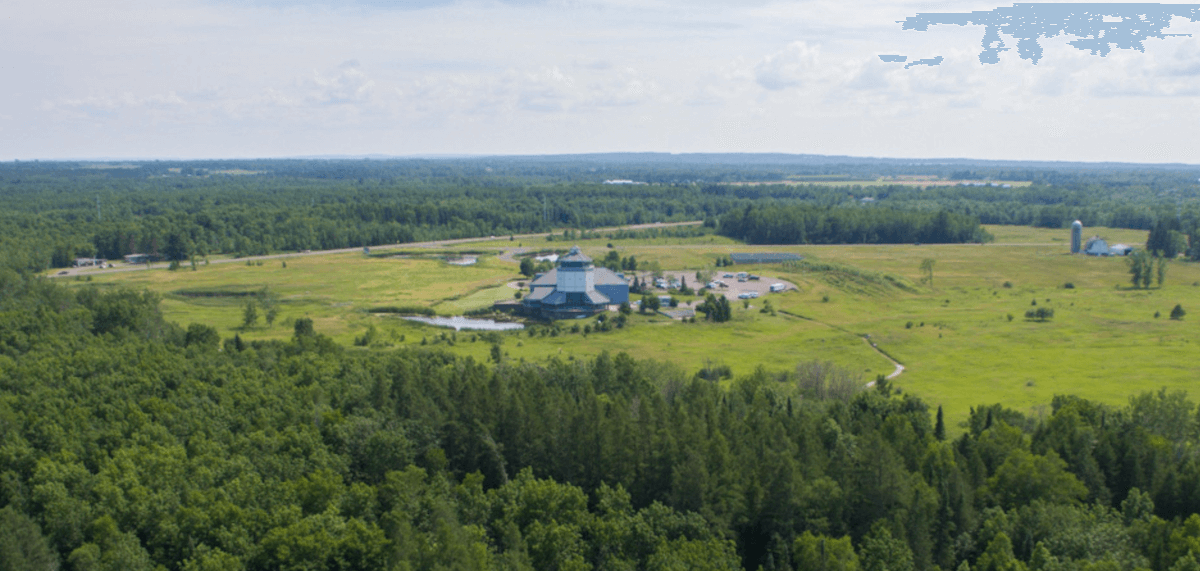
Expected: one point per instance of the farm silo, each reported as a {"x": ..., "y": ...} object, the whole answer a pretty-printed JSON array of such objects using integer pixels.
[{"x": 1076, "y": 236}]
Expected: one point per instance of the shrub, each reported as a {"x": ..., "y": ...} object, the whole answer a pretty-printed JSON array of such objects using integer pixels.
[
  {"x": 1040, "y": 314},
  {"x": 1178, "y": 312}
]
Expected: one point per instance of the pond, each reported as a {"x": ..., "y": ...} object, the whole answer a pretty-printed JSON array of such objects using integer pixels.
[{"x": 459, "y": 323}]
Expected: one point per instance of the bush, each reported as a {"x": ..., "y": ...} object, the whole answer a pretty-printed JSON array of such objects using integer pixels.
[
  {"x": 404, "y": 309},
  {"x": 1178, "y": 312},
  {"x": 1040, "y": 314},
  {"x": 1068, "y": 285}
]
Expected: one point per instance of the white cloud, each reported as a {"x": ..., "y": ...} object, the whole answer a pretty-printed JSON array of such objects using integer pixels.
[
  {"x": 348, "y": 84},
  {"x": 112, "y": 105},
  {"x": 796, "y": 65},
  {"x": 327, "y": 77}
]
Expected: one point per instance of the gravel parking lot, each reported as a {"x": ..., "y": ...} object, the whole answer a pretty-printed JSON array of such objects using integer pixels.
[{"x": 733, "y": 288}]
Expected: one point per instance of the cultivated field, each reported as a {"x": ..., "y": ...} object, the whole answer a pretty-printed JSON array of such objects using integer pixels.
[{"x": 955, "y": 336}]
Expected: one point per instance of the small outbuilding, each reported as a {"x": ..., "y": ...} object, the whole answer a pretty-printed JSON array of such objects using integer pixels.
[{"x": 140, "y": 258}]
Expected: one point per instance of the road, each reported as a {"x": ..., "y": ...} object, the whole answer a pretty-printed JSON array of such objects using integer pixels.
[{"x": 507, "y": 256}]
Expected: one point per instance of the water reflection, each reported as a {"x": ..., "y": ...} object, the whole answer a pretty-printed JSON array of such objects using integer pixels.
[{"x": 459, "y": 323}]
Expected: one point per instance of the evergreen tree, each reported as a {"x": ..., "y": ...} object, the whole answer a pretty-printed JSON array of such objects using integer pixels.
[{"x": 939, "y": 429}]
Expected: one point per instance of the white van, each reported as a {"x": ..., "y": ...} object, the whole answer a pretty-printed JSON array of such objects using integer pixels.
[{"x": 776, "y": 288}]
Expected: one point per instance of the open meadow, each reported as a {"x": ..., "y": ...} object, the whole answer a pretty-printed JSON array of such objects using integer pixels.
[{"x": 963, "y": 337}]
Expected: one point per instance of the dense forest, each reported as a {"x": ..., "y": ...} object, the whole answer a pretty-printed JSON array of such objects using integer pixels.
[
  {"x": 129, "y": 443},
  {"x": 813, "y": 225},
  {"x": 52, "y": 213}
]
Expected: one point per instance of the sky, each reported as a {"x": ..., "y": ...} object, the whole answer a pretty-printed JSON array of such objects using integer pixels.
[{"x": 139, "y": 79}]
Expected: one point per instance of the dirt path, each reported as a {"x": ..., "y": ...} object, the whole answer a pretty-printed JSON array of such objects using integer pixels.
[
  {"x": 866, "y": 339},
  {"x": 899, "y": 367},
  {"x": 510, "y": 255}
]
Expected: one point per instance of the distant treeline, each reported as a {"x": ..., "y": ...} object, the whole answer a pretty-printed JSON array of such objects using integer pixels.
[
  {"x": 51, "y": 213},
  {"x": 816, "y": 225}
]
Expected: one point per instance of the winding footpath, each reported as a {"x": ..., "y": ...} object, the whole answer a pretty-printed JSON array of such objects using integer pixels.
[{"x": 899, "y": 367}]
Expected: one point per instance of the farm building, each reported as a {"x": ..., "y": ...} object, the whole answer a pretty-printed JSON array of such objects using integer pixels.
[
  {"x": 1076, "y": 236},
  {"x": 1120, "y": 250},
  {"x": 140, "y": 258},
  {"x": 764, "y": 258},
  {"x": 575, "y": 289},
  {"x": 1097, "y": 247}
]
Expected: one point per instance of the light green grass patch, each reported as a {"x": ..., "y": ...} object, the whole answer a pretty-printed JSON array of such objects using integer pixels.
[
  {"x": 475, "y": 300},
  {"x": 332, "y": 290}
]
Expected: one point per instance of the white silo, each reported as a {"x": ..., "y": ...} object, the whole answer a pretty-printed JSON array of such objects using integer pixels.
[{"x": 1076, "y": 236}]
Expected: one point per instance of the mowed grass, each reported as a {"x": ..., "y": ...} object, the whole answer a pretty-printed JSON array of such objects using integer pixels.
[{"x": 961, "y": 349}]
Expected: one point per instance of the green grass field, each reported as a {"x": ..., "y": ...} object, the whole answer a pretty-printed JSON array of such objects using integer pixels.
[{"x": 960, "y": 350}]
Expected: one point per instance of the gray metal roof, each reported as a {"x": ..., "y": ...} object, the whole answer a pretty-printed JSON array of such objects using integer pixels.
[
  {"x": 574, "y": 256},
  {"x": 597, "y": 298},
  {"x": 1096, "y": 247},
  {"x": 603, "y": 276},
  {"x": 547, "y": 279},
  {"x": 539, "y": 293}
]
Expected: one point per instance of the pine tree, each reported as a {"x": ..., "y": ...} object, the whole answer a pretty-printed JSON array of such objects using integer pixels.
[{"x": 939, "y": 430}]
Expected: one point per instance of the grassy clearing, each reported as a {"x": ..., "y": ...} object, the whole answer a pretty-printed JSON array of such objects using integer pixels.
[
  {"x": 332, "y": 290},
  {"x": 961, "y": 349},
  {"x": 480, "y": 299}
]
